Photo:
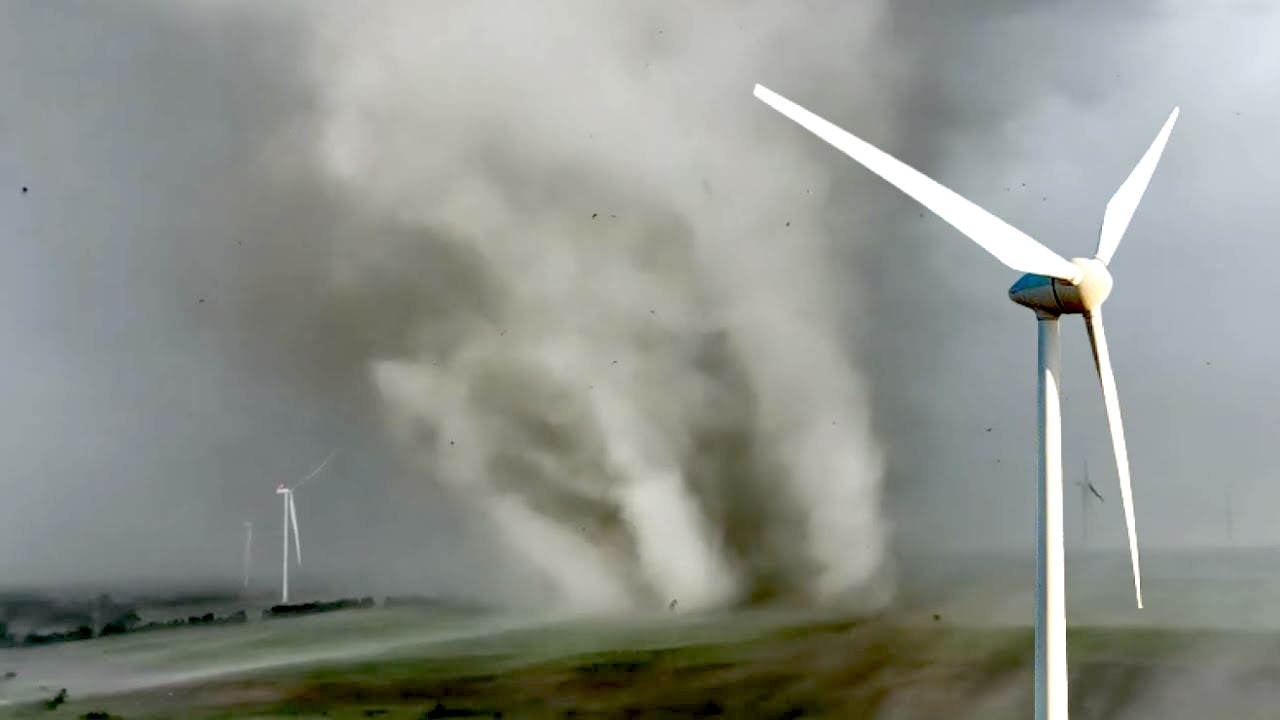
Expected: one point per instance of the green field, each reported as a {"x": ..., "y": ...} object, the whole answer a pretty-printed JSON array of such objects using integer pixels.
[{"x": 754, "y": 665}]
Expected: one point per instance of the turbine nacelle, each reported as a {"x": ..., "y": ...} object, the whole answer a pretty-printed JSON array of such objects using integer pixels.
[{"x": 1055, "y": 297}]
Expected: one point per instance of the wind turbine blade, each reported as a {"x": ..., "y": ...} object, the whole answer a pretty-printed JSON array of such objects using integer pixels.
[
  {"x": 1008, "y": 244},
  {"x": 316, "y": 471},
  {"x": 293, "y": 516},
  {"x": 1102, "y": 359},
  {"x": 1124, "y": 203}
]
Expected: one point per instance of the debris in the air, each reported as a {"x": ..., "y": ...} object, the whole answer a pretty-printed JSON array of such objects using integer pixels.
[{"x": 57, "y": 700}]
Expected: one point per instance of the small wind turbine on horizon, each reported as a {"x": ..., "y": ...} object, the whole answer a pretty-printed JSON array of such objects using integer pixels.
[
  {"x": 1052, "y": 287},
  {"x": 1230, "y": 510},
  {"x": 291, "y": 519},
  {"x": 1086, "y": 489},
  {"x": 248, "y": 551}
]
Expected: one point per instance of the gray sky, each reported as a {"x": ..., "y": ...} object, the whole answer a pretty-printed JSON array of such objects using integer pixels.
[
  {"x": 143, "y": 426},
  {"x": 1193, "y": 381},
  {"x": 138, "y": 440}
]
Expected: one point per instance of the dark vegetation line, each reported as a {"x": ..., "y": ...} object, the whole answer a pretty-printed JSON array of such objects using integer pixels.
[{"x": 105, "y": 618}]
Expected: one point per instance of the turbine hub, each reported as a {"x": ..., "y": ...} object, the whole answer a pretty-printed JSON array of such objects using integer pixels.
[
  {"x": 1094, "y": 286},
  {"x": 1050, "y": 296}
]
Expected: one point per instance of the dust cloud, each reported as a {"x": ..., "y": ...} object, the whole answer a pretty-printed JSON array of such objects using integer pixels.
[
  {"x": 559, "y": 256},
  {"x": 603, "y": 286}
]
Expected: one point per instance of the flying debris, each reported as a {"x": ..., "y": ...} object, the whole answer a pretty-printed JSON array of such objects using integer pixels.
[{"x": 1052, "y": 287}]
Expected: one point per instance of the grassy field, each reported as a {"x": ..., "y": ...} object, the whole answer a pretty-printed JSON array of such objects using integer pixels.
[
  {"x": 738, "y": 666},
  {"x": 972, "y": 663}
]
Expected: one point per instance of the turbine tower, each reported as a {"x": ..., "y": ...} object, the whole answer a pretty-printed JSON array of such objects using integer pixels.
[
  {"x": 291, "y": 519},
  {"x": 248, "y": 551},
  {"x": 1052, "y": 287}
]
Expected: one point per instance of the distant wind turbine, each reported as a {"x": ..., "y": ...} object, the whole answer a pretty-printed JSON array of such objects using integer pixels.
[
  {"x": 291, "y": 518},
  {"x": 1231, "y": 524},
  {"x": 1086, "y": 489},
  {"x": 248, "y": 551}
]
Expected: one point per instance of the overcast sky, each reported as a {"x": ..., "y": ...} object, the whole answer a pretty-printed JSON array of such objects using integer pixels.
[
  {"x": 1187, "y": 319},
  {"x": 136, "y": 439},
  {"x": 145, "y": 419}
]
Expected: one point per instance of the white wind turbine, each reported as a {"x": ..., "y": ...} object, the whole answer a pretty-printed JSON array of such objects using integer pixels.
[
  {"x": 248, "y": 551},
  {"x": 1053, "y": 287},
  {"x": 291, "y": 518}
]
